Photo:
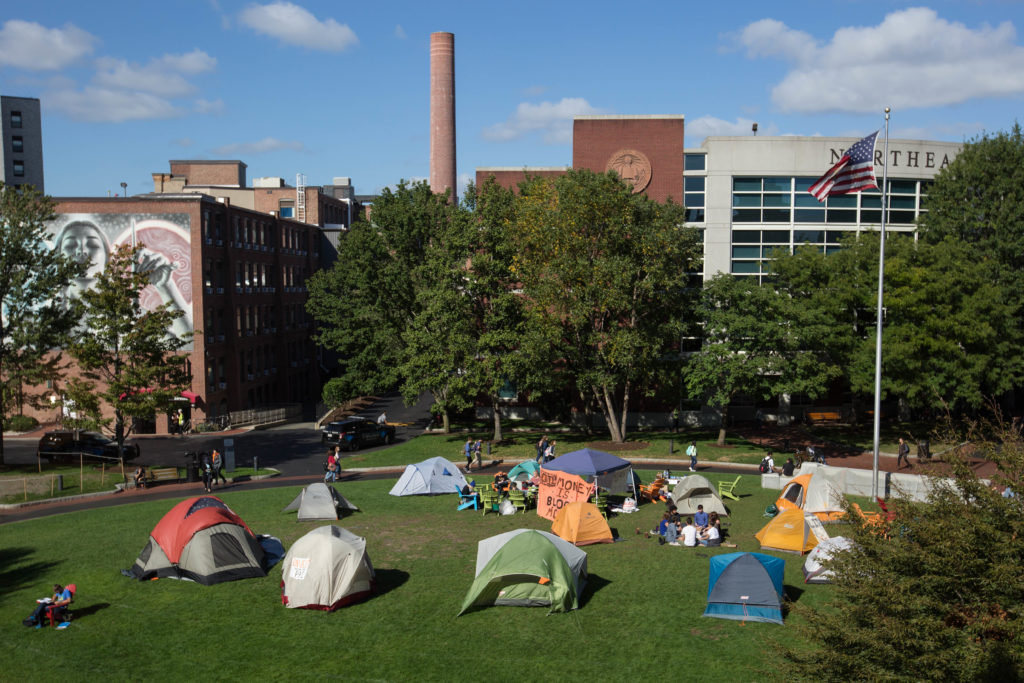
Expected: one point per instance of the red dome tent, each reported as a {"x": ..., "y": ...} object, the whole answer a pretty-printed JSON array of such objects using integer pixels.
[{"x": 201, "y": 539}]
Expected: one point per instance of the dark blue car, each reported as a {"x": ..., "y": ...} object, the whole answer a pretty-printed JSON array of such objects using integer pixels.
[{"x": 355, "y": 432}]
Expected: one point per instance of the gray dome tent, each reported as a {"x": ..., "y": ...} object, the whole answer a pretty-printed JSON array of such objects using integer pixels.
[
  {"x": 325, "y": 569},
  {"x": 319, "y": 501},
  {"x": 696, "y": 490}
]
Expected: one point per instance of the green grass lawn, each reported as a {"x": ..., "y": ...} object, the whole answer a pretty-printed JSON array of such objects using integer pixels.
[
  {"x": 640, "y": 614},
  {"x": 521, "y": 446}
]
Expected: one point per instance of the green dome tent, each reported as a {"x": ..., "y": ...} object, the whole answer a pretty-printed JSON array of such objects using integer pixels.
[
  {"x": 524, "y": 471},
  {"x": 527, "y": 568}
]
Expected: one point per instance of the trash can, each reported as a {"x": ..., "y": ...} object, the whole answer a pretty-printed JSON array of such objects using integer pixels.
[
  {"x": 923, "y": 451},
  {"x": 192, "y": 466}
]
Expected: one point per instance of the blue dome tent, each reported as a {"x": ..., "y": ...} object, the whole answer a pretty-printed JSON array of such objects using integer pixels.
[{"x": 745, "y": 587}]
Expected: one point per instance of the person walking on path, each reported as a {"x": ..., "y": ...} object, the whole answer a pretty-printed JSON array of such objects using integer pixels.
[
  {"x": 691, "y": 451},
  {"x": 902, "y": 453},
  {"x": 478, "y": 450},
  {"x": 542, "y": 446},
  {"x": 467, "y": 450},
  {"x": 218, "y": 467}
]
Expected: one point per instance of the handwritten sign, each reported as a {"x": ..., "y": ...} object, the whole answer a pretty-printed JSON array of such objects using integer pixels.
[{"x": 558, "y": 489}]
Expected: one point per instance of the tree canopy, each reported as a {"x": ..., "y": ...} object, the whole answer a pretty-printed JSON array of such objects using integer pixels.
[
  {"x": 127, "y": 355},
  {"x": 34, "y": 320}
]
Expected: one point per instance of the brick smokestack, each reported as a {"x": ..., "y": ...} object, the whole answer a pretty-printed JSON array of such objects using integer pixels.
[{"x": 442, "y": 112}]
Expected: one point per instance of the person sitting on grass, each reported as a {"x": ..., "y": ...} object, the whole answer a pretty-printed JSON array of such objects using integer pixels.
[
  {"x": 700, "y": 518},
  {"x": 710, "y": 537},
  {"x": 689, "y": 534},
  {"x": 59, "y": 602}
]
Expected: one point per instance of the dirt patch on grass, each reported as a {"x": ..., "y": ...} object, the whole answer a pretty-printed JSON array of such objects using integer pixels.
[{"x": 612, "y": 446}]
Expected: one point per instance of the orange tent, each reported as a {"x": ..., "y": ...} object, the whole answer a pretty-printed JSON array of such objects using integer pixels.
[
  {"x": 792, "y": 530},
  {"x": 581, "y": 523},
  {"x": 793, "y": 494}
]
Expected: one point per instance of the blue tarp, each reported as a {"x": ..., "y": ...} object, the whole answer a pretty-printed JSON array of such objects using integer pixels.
[
  {"x": 745, "y": 587},
  {"x": 587, "y": 462}
]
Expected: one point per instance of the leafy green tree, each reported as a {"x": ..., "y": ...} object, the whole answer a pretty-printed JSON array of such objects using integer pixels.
[
  {"x": 757, "y": 340},
  {"x": 33, "y": 320},
  {"x": 128, "y": 355},
  {"x": 604, "y": 274},
  {"x": 978, "y": 199},
  {"x": 949, "y": 337},
  {"x": 938, "y": 595}
]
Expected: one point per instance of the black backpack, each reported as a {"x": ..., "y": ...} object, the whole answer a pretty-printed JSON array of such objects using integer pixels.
[{"x": 764, "y": 466}]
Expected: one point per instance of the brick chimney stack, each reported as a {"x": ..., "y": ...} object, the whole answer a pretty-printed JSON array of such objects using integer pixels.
[{"x": 442, "y": 113}]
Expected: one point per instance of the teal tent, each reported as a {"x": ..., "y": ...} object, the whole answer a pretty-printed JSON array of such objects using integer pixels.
[{"x": 524, "y": 471}]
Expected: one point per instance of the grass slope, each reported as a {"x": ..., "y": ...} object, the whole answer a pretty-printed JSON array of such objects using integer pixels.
[{"x": 642, "y": 606}]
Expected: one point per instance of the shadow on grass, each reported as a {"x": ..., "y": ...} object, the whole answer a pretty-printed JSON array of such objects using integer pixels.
[
  {"x": 20, "y": 570},
  {"x": 594, "y": 584},
  {"x": 792, "y": 593},
  {"x": 388, "y": 580},
  {"x": 89, "y": 610}
]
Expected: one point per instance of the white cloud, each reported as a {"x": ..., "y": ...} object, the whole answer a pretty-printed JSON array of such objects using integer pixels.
[
  {"x": 258, "y": 147},
  {"x": 552, "y": 119},
  {"x": 400, "y": 32},
  {"x": 912, "y": 59},
  {"x": 704, "y": 126},
  {"x": 28, "y": 45},
  {"x": 295, "y": 25},
  {"x": 161, "y": 76},
  {"x": 202, "y": 106},
  {"x": 112, "y": 106}
]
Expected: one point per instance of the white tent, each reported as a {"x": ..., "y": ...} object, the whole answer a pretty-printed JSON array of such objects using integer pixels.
[
  {"x": 695, "y": 490},
  {"x": 325, "y": 569},
  {"x": 319, "y": 501},
  {"x": 813, "y": 571},
  {"x": 429, "y": 477}
]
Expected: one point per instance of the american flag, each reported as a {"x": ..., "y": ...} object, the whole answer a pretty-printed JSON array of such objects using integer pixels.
[{"x": 853, "y": 173}]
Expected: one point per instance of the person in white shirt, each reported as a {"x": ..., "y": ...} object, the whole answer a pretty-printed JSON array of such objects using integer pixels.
[
  {"x": 383, "y": 419},
  {"x": 710, "y": 536},
  {"x": 689, "y": 533}
]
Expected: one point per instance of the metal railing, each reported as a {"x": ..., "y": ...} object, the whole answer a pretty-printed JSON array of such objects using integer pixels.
[{"x": 260, "y": 416}]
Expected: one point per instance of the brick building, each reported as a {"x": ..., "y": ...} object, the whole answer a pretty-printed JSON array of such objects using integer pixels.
[{"x": 237, "y": 269}]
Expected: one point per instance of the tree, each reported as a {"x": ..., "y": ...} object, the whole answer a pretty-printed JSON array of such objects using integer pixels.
[
  {"x": 34, "y": 321},
  {"x": 979, "y": 200},
  {"x": 606, "y": 271},
  {"x": 949, "y": 337},
  {"x": 937, "y": 597},
  {"x": 128, "y": 356},
  {"x": 757, "y": 340}
]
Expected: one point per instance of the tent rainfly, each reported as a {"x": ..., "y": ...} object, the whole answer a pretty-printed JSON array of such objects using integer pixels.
[
  {"x": 581, "y": 523},
  {"x": 819, "y": 494},
  {"x": 527, "y": 568},
  {"x": 695, "y": 490},
  {"x": 814, "y": 572},
  {"x": 319, "y": 501},
  {"x": 793, "y": 531},
  {"x": 202, "y": 540},
  {"x": 430, "y": 477},
  {"x": 326, "y": 569},
  {"x": 745, "y": 587}
]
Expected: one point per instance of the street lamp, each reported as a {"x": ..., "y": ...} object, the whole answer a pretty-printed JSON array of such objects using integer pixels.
[{"x": 124, "y": 189}]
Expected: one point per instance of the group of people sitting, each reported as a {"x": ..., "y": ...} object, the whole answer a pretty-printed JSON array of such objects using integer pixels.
[{"x": 703, "y": 528}]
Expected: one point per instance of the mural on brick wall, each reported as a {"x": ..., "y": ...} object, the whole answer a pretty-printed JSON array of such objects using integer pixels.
[{"x": 165, "y": 253}]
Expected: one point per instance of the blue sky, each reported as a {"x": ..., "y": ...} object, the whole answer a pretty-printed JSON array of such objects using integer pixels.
[{"x": 342, "y": 88}]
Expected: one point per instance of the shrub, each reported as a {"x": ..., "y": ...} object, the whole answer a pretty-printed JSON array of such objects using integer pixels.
[{"x": 20, "y": 423}]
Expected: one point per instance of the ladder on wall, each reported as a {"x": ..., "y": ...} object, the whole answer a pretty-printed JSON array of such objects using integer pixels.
[{"x": 300, "y": 197}]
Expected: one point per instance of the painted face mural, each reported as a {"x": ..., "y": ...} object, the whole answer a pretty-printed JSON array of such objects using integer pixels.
[{"x": 164, "y": 242}]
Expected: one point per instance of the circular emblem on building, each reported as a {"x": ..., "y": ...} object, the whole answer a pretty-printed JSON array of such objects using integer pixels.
[{"x": 632, "y": 166}]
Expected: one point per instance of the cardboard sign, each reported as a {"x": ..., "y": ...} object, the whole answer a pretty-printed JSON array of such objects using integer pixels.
[{"x": 558, "y": 489}]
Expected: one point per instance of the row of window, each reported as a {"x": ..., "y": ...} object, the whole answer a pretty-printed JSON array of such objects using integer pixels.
[
  {"x": 254, "y": 274},
  {"x": 253, "y": 231},
  {"x": 786, "y": 200},
  {"x": 253, "y": 320},
  {"x": 257, "y": 362}
]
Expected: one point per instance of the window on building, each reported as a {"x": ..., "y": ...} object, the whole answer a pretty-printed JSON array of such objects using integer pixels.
[
  {"x": 693, "y": 198},
  {"x": 17, "y": 144},
  {"x": 15, "y": 119},
  {"x": 19, "y": 168},
  {"x": 695, "y": 162}
]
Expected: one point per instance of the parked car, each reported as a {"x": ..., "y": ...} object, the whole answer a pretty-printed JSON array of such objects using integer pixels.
[
  {"x": 356, "y": 432},
  {"x": 67, "y": 444}
]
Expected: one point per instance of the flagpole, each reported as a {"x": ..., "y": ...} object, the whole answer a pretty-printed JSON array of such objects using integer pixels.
[{"x": 878, "y": 325}]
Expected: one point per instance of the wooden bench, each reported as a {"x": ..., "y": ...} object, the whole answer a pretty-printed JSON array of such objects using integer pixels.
[
  {"x": 155, "y": 475},
  {"x": 824, "y": 417}
]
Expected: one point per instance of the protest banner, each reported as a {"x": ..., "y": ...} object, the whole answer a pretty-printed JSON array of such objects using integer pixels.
[{"x": 558, "y": 489}]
